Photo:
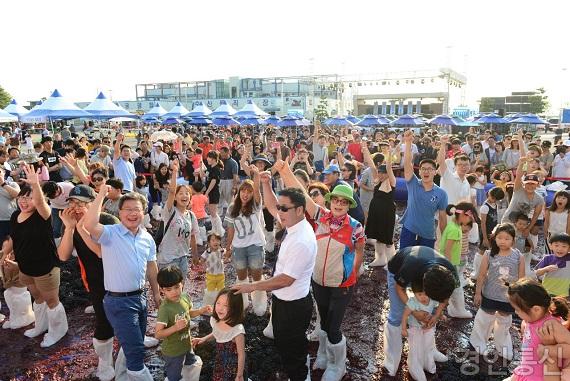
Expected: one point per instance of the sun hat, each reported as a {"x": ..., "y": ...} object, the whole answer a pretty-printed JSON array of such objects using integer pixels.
[
  {"x": 262, "y": 158},
  {"x": 158, "y": 144},
  {"x": 342, "y": 191},
  {"x": 82, "y": 192}
]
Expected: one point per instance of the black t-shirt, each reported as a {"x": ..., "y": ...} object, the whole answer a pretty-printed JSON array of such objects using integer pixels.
[
  {"x": 411, "y": 263},
  {"x": 214, "y": 173},
  {"x": 51, "y": 159},
  {"x": 33, "y": 243},
  {"x": 91, "y": 263}
]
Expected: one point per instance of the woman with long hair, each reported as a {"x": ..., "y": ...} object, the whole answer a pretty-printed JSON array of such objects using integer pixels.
[
  {"x": 214, "y": 167},
  {"x": 246, "y": 241}
]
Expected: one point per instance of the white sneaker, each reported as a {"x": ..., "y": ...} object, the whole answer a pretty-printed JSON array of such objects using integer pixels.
[
  {"x": 150, "y": 342},
  {"x": 89, "y": 310}
]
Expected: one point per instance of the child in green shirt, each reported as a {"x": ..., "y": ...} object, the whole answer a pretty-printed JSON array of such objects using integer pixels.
[{"x": 172, "y": 325}]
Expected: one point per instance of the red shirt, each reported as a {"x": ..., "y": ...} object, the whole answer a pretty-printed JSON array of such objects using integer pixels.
[
  {"x": 205, "y": 149},
  {"x": 356, "y": 151}
]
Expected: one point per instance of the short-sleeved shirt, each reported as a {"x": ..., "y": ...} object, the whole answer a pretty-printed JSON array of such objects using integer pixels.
[
  {"x": 557, "y": 282},
  {"x": 502, "y": 269},
  {"x": 411, "y": 263},
  {"x": 8, "y": 203},
  {"x": 230, "y": 169},
  {"x": 213, "y": 173},
  {"x": 214, "y": 261},
  {"x": 125, "y": 171},
  {"x": 414, "y": 305},
  {"x": 520, "y": 203},
  {"x": 169, "y": 313},
  {"x": 33, "y": 244},
  {"x": 111, "y": 207},
  {"x": 60, "y": 202},
  {"x": 176, "y": 240},
  {"x": 199, "y": 202},
  {"x": 457, "y": 190},
  {"x": 452, "y": 232},
  {"x": 125, "y": 257},
  {"x": 422, "y": 207},
  {"x": 297, "y": 259},
  {"x": 248, "y": 230},
  {"x": 50, "y": 159}
]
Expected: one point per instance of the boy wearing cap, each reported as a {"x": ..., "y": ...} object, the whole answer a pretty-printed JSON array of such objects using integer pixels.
[
  {"x": 51, "y": 159},
  {"x": 555, "y": 268}
]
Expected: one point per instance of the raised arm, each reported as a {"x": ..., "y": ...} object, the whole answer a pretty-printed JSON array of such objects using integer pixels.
[
  {"x": 520, "y": 139},
  {"x": 368, "y": 160},
  {"x": 71, "y": 162},
  {"x": 65, "y": 247},
  {"x": 37, "y": 195},
  {"x": 290, "y": 180},
  {"x": 388, "y": 160},
  {"x": 172, "y": 186},
  {"x": 256, "y": 184},
  {"x": 91, "y": 218},
  {"x": 117, "y": 148},
  {"x": 269, "y": 198},
  {"x": 408, "y": 165},
  {"x": 519, "y": 173},
  {"x": 441, "y": 155}
]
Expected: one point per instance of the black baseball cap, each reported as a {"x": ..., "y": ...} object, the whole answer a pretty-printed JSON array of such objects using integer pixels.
[
  {"x": 47, "y": 139},
  {"x": 82, "y": 193}
]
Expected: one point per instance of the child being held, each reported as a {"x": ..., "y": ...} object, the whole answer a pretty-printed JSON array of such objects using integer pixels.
[
  {"x": 198, "y": 203},
  {"x": 229, "y": 333},
  {"x": 214, "y": 259},
  {"x": 554, "y": 268},
  {"x": 524, "y": 244},
  {"x": 111, "y": 204},
  {"x": 420, "y": 341},
  {"x": 172, "y": 326}
]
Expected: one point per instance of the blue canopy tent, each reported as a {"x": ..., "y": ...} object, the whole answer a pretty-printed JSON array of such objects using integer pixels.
[
  {"x": 150, "y": 120},
  {"x": 491, "y": 119},
  {"x": 55, "y": 107},
  {"x": 171, "y": 121},
  {"x": 352, "y": 119},
  {"x": 200, "y": 121},
  {"x": 274, "y": 120},
  {"x": 200, "y": 110},
  {"x": 177, "y": 111},
  {"x": 250, "y": 110},
  {"x": 223, "y": 110},
  {"x": 6, "y": 117},
  {"x": 407, "y": 120},
  {"x": 338, "y": 121},
  {"x": 443, "y": 120},
  {"x": 154, "y": 113},
  {"x": 225, "y": 121},
  {"x": 528, "y": 119},
  {"x": 15, "y": 109},
  {"x": 251, "y": 121},
  {"x": 372, "y": 121},
  {"x": 104, "y": 108},
  {"x": 290, "y": 121}
]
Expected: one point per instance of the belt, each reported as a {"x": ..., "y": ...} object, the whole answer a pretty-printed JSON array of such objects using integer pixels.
[{"x": 124, "y": 294}]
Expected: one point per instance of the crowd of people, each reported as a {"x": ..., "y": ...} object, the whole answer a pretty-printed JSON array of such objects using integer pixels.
[{"x": 138, "y": 215}]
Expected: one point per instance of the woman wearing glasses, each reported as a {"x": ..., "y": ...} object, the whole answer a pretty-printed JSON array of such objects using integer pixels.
[
  {"x": 340, "y": 247},
  {"x": 35, "y": 252}
]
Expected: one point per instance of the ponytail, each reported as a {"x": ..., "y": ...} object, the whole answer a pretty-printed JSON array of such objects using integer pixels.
[{"x": 466, "y": 208}]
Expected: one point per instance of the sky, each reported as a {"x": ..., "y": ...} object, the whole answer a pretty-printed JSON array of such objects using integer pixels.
[{"x": 83, "y": 46}]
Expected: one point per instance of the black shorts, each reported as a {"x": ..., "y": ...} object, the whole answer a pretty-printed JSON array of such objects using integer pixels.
[
  {"x": 491, "y": 306},
  {"x": 214, "y": 198}
]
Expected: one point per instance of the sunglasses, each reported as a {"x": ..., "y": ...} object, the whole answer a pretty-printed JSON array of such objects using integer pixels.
[
  {"x": 97, "y": 179},
  {"x": 314, "y": 193},
  {"x": 342, "y": 201},
  {"x": 282, "y": 208}
]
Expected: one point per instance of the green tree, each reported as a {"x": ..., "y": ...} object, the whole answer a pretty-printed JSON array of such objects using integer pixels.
[
  {"x": 487, "y": 105},
  {"x": 539, "y": 103},
  {"x": 321, "y": 112},
  {"x": 5, "y": 97}
]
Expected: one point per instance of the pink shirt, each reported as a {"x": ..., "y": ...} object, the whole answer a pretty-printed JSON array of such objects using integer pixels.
[
  {"x": 530, "y": 369},
  {"x": 196, "y": 163},
  {"x": 199, "y": 202}
]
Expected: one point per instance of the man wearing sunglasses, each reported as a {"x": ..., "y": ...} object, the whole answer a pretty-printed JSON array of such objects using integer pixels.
[{"x": 291, "y": 303}]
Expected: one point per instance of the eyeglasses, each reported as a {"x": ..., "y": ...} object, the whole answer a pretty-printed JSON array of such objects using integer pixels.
[
  {"x": 283, "y": 208},
  {"x": 342, "y": 201},
  {"x": 132, "y": 210},
  {"x": 427, "y": 169},
  {"x": 25, "y": 198},
  {"x": 97, "y": 179},
  {"x": 314, "y": 193},
  {"x": 73, "y": 202}
]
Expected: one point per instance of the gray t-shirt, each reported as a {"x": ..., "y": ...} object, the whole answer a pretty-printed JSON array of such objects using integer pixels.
[
  {"x": 176, "y": 240},
  {"x": 319, "y": 152},
  {"x": 214, "y": 261},
  {"x": 230, "y": 169},
  {"x": 520, "y": 203},
  {"x": 501, "y": 270},
  {"x": 8, "y": 204}
]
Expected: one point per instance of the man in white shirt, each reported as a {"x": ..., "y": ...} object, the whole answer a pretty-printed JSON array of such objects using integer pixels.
[
  {"x": 157, "y": 156},
  {"x": 561, "y": 163},
  {"x": 124, "y": 168},
  {"x": 453, "y": 175},
  {"x": 292, "y": 305}
]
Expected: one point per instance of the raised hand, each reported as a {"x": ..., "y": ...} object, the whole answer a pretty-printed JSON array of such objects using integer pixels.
[
  {"x": 31, "y": 175},
  {"x": 175, "y": 165},
  {"x": 69, "y": 159},
  {"x": 253, "y": 170},
  {"x": 408, "y": 136},
  {"x": 279, "y": 164},
  {"x": 444, "y": 139},
  {"x": 265, "y": 177},
  {"x": 67, "y": 216},
  {"x": 120, "y": 138}
]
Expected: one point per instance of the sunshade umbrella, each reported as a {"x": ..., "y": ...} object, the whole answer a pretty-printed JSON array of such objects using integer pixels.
[
  {"x": 353, "y": 119},
  {"x": 274, "y": 120},
  {"x": 491, "y": 119},
  {"x": 443, "y": 120},
  {"x": 164, "y": 135},
  {"x": 338, "y": 121},
  {"x": 407, "y": 120},
  {"x": 528, "y": 119},
  {"x": 251, "y": 121},
  {"x": 373, "y": 120},
  {"x": 200, "y": 121},
  {"x": 170, "y": 121},
  {"x": 290, "y": 121},
  {"x": 225, "y": 121},
  {"x": 200, "y": 110}
]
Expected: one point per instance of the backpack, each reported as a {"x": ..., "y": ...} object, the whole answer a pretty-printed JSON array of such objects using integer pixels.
[{"x": 159, "y": 235}]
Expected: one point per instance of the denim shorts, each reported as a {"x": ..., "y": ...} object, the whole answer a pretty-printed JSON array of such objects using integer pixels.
[{"x": 249, "y": 257}]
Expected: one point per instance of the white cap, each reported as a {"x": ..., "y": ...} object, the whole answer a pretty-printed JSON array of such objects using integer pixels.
[
  {"x": 566, "y": 143},
  {"x": 157, "y": 144}
]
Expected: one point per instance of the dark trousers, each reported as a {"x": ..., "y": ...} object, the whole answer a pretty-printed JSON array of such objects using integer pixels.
[
  {"x": 103, "y": 329},
  {"x": 4, "y": 230},
  {"x": 332, "y": 303},
  {"x": 290, "y": 322}
]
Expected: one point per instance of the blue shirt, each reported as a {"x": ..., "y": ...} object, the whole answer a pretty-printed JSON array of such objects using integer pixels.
[
  {"x": 125, "y": 256},
  {"x": 419, "y": 217},
  {"x": 125, "y": 170}
]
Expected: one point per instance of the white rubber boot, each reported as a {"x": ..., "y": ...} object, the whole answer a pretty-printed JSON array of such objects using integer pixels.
[
  {"x": 456, "y": 307},
  {"x": 390, "y": 252},
  {"x": 477, "y": 258},
  {"x": 217, "y": 226},
  {"x": 19, "y": 302},
  {"x": 259, "y": 302},
  {"x": 482, "y": 327},
  {"x": 429, "y": 352},
  {"x": 40, "y": 316},
  {"x": 415, "y": 359},
  {"x": 321, "y": 361},
  {"x": 244, "y": 295},
  {"x": 308, "y": 369},
  {"x": 502, "y": 335},
  {"x": 203, "y": 234},
  {"x": 57, "y": 326},
  {"x": 392, "y": 348},
  {"x": 209, "y": 298},
  {"x": 314, "y": 334},
  {"x": 336, "y": 365},
  {"x": 104, "y": 350},
  {"x": 2, "y": 316},
  {"x": 89, "y": 310},
  {"x": 269, "y": 241},
  {"x": 192, "y": 372},
  {"x": 437, "y": 355},
  {"x": 139, "y": 375},
  {"x": 379, "y": 255},
  {"x": 150, "y": 341},
  {"x": 527, "y": 270},
  {"x": 268, "y": 331},
  {"x": 121, "y": 367},
  {"x": 461, "y": 275}
]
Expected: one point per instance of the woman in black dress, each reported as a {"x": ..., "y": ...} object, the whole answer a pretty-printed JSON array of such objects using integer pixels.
[
  {"x": 214, "y": 167},
  {"x": 382, "y": 211}
]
